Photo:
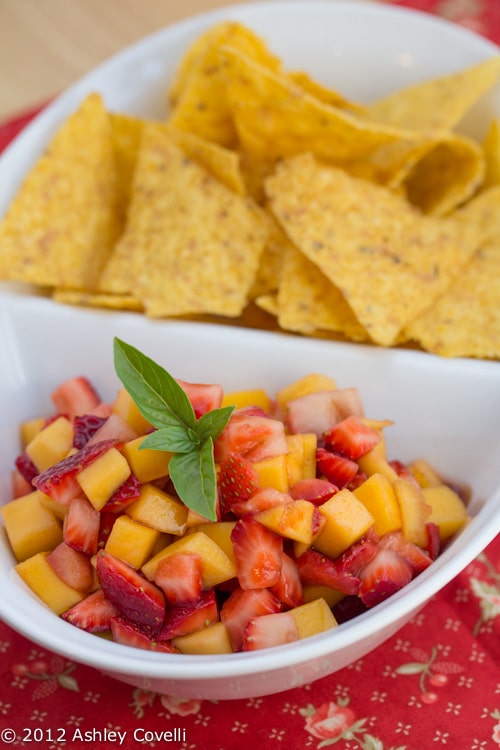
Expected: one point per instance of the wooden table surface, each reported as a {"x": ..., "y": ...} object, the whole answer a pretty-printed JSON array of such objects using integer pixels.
[{"x": 45, "y": 45}]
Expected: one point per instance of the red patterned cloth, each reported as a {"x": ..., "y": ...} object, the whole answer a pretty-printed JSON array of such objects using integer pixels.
[{"x": 435, "y": 684}]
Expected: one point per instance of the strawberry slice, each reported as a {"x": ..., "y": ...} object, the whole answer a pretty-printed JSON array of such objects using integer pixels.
[
  {"x": 354, "y": 558},
  {"x": 92, "y": 614},
  {"x": 59, "y": 481},
  {"x": 351, "y": 437},
  {"x": 433, "y": 546},
  {"x": 258, "y": 553},
  {"x": 105, "y": 527},
  {"x": 241, "y": 606},
  {"x": 270, "y": 630},
  {"x": 75, "y": 396},
  {"x": 20, "y": 485},
  {"x": 203, "y": 396},
  {"x": 262, "y": 499},
  {"x": 316, "y": 568},
  {"x": 382, "y": 576},
  {"x": 250, "y": 436},
  {"x": 180, "y": 577},
  {"x": 418, "y": 559},
  {"x": 187, "y": 618},
  {"x": 114, "y": 427},
  {"x": 316, "y": 490},
  {"x": 125, "y": 495},
  {"x": 136, "y": 599},
  {"x": 72, "y": 567},
  {"x": 237, "y": 481},
  {"x": 127, "y": 634},
  {"x": 26, "y": 467},
  {"x": 81, "y": 526},
  {"x": 289, "y": 589},
  {"x": 319, "y": 411},
  {"x": 337, "y": 469},
  {"x": 84, "y": 427}
]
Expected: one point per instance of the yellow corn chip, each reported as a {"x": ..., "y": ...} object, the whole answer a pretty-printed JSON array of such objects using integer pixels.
[
  {"x": 389, "y": 261},
  {"x": 491, "y": 148},
  {"x": 268, "y": 274},
  {"x": 61, "y": 226},
  {"x": 90, "y": 299},
  {"x": 324, "y": 94},
  {"x": 126, "y": 133}
]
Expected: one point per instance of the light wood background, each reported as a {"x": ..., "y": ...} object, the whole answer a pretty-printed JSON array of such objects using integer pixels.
[{"x": 46, "y": 45}]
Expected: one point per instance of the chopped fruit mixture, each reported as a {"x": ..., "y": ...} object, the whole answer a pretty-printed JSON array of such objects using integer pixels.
[{"x": 312, "y": 521}]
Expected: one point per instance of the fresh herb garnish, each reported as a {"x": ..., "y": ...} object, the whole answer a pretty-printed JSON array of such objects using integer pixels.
[{"x": 163, "y": 402}]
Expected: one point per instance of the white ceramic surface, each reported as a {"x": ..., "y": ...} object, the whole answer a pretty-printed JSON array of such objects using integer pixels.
[{"x": 445, "y": 410}]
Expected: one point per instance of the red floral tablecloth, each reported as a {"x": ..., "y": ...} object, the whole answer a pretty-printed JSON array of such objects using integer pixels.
[{"x": 436, "y": 683}]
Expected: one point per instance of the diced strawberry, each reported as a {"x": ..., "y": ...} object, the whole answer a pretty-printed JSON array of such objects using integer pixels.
[
  {"x": 348, "y": 608},
  {"x": 338, "y": 470},
  {"x": 72, "y": 567},
  {"x": 270, "y": 630},
  {"x": 262, "y": 499},
  {"x": 187, "y": 618},
  {"x": 127, "y": 634},
  {"x": 116, "y": 428},
  {"x": 126, "y": 494},
  {"x": 102, "y": 410},
  {"x": 241, "y": 606},
  {"x": 357, "y": 480},
  {"x": 316, "y": 568},
  {"x": 75, "y": 396},
  {"x": 433, "y": 540},
  {"x": 180, "y": 577},
  {"x": 92, "y": 614},
  {"x": 26, "y": 467},
  {"x": 402, "y": 470},
  {"x": 258, "y": 553},
  {"x": 136, "y": 599},
  {"x": 355, "y": 557},
  {"x": 84, "y": 427},
  {"x": 318, "y": 412},
  {"x": 81, "y": 526},
  {"x": 252, "y": 411},
  {"x": 237, "y": 481},
  {"x": 59, "y": 481},
  {"x": 351, "y": 438},
  {"x": 20, "y": 485},
  {"x": 289, "y": 590},
  {"x": 252, "y": 437},
  {"x": 203, "y": 396},
  {"x": 416, "y": 557},
  {"x": 105, "y": 527},
  {"x": 383, "y": 575},
  {"x": 316, "y": 490}
]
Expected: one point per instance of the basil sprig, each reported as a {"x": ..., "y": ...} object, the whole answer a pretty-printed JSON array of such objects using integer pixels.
[{"x": 164, "y": 404}]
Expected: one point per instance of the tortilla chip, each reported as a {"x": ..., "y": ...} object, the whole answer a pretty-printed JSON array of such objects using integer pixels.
[
  {"x": 90, "y": 299},
  {"x": 328, "y": 96},
  {"x": 491, "y": 150},
  {"x": 61, "y": 226},
  {"x": 268, "y": 274},
  {"x": 436, "y": 104},
  {"x": 198, "y": 94},
  {"x": 126, "y": 133},
  {"x": 191, "y": 245},
  {"x": 389, "y": 261}
]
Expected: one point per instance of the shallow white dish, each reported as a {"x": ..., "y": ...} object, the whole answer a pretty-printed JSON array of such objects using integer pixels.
[{"x": 445, "y": 410}]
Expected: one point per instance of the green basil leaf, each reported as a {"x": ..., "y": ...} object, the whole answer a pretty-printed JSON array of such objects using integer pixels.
[
  {"x": 175, "y": 439},
  {"x": 158, "y": 396},
  {"x": 194, "y": 478},
  {"x": 213, "y": 422}
]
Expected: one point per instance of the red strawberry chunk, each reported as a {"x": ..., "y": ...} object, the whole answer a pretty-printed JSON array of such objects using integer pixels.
[
  {"x": 84, "y": 427},
  {"x": 316, "y": 490},
  {"x": 203, "y": 396},
  {"x": 262, "y": 499},
  {"x": 20, "y": 485},
  {"x": 383, "y": 575},
  {"x": 59, "y": 481},
  {"x": 81, "y": 526},
  {"x": 316, "y": 568},
  {"x": 72, "y": 567},
  {"x": 355, "y": 557},
  {"x": 26, "y": 467},
  {"x": 75, "y": 396},
  {"x": 125, "y": 495},
  {"x": 241, "y": 606},
  {"x": 136, "y": 599},
  {"x": 337, "y": 469},
  {"x": 352, "y": 437},
  {"x": 105, "y": 527},
  {"x": 433, "y": 540},
  {"x": 188, "y": 618},
  {"x": 270, "y": 630},
  {"x": 180, "y": 577},
  {"x": 317, "y": 412},
  {"x": 237, "y": 481},
  {"x": 92, "y": 614},
  {"x": 116, "y": 428},
  {"x": 127, "y": 634},
  {"x": 418, "y": 559},
  {"x": 258, "y": 553},
  {"x": 254, "y": 437},
  {"x": 289, "y": 589}
]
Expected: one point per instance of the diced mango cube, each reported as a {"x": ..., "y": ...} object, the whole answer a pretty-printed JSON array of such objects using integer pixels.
[
  {"x": 43, "y": 581},
  {"x": 131, "y": 541},
  {"x": 425, "y": 475},
  {"x": 213, "y": 639},
  {"x": 272, "y": 472},
  {"x": 158, "y": 509},
  {"x": 378, "y": 496},
  {"x": 448, "y": 511},
  {"x": 347, "y": 520},
  {"x": 292, "y": 520},
  {"x": 414, "y": 511},
  {"x": 317, "y": 591},
  {"x": 58, "y": 509},
  {"x": 146, "y": 464},
  {"x": 311, "y": 383},
  {"x": 52, "y": 444},
  {"x": 101, "y": 478},
  {"x": 374, "y": 462},
  {"x": 30, "y": 527},
  {"x": 252, "y": 397},
  {"x": 301, "y": 457},
  {"x": 220, "y": 532},
  {"x": 217, "y": 566},
  {"x": 313, "y": 618},
  {"x": 127, "y": 409},
  {"x": 30, "y": 428}
]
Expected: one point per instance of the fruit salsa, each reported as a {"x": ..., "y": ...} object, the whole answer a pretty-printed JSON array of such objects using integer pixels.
[{"x": 183, "y": 519}]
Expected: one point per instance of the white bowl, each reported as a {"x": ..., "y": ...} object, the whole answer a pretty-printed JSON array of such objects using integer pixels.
[{"x": 445, "y": 410}]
